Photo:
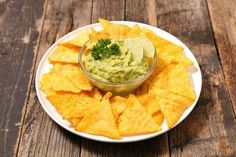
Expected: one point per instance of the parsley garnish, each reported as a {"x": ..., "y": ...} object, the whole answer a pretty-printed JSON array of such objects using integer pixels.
[{"x": 104, "y": 49}]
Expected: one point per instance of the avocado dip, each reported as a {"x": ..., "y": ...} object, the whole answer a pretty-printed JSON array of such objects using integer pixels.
[{"x": 120, "y": 60}]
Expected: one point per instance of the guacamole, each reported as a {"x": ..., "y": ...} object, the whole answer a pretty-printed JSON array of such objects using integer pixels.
[{"x": 119, "y": 60}]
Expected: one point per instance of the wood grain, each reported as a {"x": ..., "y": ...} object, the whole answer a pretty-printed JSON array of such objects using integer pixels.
[
  {"x": 223, "y": 19},
  {"x": 210, "y": 128},
  {"x": 111, "y": 10},
  {"x": 20, "y": 25},
  {"x": 40, "y": 135},
  {"x": 143, "y": 11}
]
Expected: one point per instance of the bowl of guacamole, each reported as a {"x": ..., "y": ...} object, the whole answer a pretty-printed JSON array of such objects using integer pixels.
[{"x": 118, "y": 65}]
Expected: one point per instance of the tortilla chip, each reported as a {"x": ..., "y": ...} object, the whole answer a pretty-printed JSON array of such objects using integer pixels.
[
  {"x": 158, "y": 117},
  {"x": 78, "y": 41},
  {"x": 78, "y": 79},
  {"x": 175, "y": 78},
  {"x": 74, "y": 121},
  {"x": 135, "y": 31},
  {"x": 64, "y": 55},
  {"x": 150, "y": 102},
  {"x": 95, "y": 93},
  {"x": 136, "y": 120},
  {"x": 114, "y": 30},
  {"x": 63, "y": 102},
  {"x": 46, "y": 84},
  {"x": 118, "y": 105},
  {"x": 172, "y": 105},
  {"x": 99, "y": 120},
  {"x": 107, "y": 96},
  {"x": 160, "y": 43},
  {"x": 53, "y": 82},
  {"x": 74, "y": 75},
  {"x": 162, "y": 64},
  {"x": 174, "y": 53},
  {"x": 144, "y": 88},
  {"x": 98, "y": 35},
  {"x": 60, "y": 83}
]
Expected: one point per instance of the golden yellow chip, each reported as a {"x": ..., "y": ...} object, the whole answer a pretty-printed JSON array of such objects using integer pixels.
[
  {"x": 64, "y": 55},
  {"x": 160, "y": 43},
  {"x": 63, "y": 102},
  {"x": 174, "y": 53},
  {"x": 136, "y": 120},
  {"x": 58, "y": 82},
  {"x": 144, "y": 88},
  {"x": 158, "y": 117},
  {"x": 95, "y": 93},
  {"x": 172, "y": 105},
  {"x": 74, "y": 121},
  {"x": 118, "y": 105},
  {"x": 99, "y": 120},
  {"x": 135, "y": 31},
  {"x": 114, "y": 30},
  {"x": 46, "y": 84},
  {"x": 175, "y": 78},
  {"x": 78, "y": 41},
  {"x": 151, "y": 103},
  {"x": 96, "y": 35},
  {"x": 74, "y": 75}
]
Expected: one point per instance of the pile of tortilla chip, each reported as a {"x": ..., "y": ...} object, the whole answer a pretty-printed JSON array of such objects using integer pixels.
[{"x": 164, "y": 96}]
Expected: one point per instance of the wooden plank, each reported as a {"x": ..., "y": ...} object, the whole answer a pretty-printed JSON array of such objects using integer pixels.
[
  {"x": 223, "y": 18},
  {"x": 157, "y": 146},
  {"x": 143, "y": 11},
  {"x": 111, "y": 10},
  {"x": 40, "y": 135},
  {"x": 210, "y": 128},
  {"x": 20, "y": 27}
]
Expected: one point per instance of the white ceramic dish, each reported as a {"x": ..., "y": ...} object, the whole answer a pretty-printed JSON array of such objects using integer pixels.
[{"x": 44, "y": 67}]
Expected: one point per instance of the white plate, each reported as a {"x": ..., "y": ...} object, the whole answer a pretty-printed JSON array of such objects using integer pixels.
[{"x": 44, "y": 67}]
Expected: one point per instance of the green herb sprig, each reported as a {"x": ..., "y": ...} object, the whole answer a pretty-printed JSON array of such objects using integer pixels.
[{"x": 104, "y": 49}]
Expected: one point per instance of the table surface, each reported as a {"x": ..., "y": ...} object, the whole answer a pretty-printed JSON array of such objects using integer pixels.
[{"x": 29, "y": 27}]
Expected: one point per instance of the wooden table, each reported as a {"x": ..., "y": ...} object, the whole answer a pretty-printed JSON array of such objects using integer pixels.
[{"x": 29, "y": 27}]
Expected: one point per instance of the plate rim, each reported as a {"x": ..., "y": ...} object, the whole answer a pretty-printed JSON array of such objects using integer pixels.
[{"x": 109, "y": 140}]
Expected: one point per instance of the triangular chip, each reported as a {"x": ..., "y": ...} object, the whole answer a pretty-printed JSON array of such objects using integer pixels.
[
  {"x": 95, "y": 93},
  {"x": 99, "y": 120},
  {"x": 74, "y": 75},
  {"x": 114, "y": 30},
  {"x": 174, "y": 53},
  {"x": 64, "y": 55},
  {"x": 150, "y": 102},
  {"x": 158, "y": 117},
  {"x": 118, "y": 105},
  {"x": 46, "y": 84},
  {"x": 136, "y": 120},
  {"x": 175, "y": 78},
  {"x": 57, "y": 82},
  {"x": 78, "y": 41},
  {"x": 64, "y": 102},
  {"x": 159, "y": 42},
  {"x": 172, "y": 105},
  {"x": 135, "y": 31}
]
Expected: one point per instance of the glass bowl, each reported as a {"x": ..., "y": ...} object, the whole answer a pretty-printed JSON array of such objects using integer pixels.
[{"x": 121, "y": 88}]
